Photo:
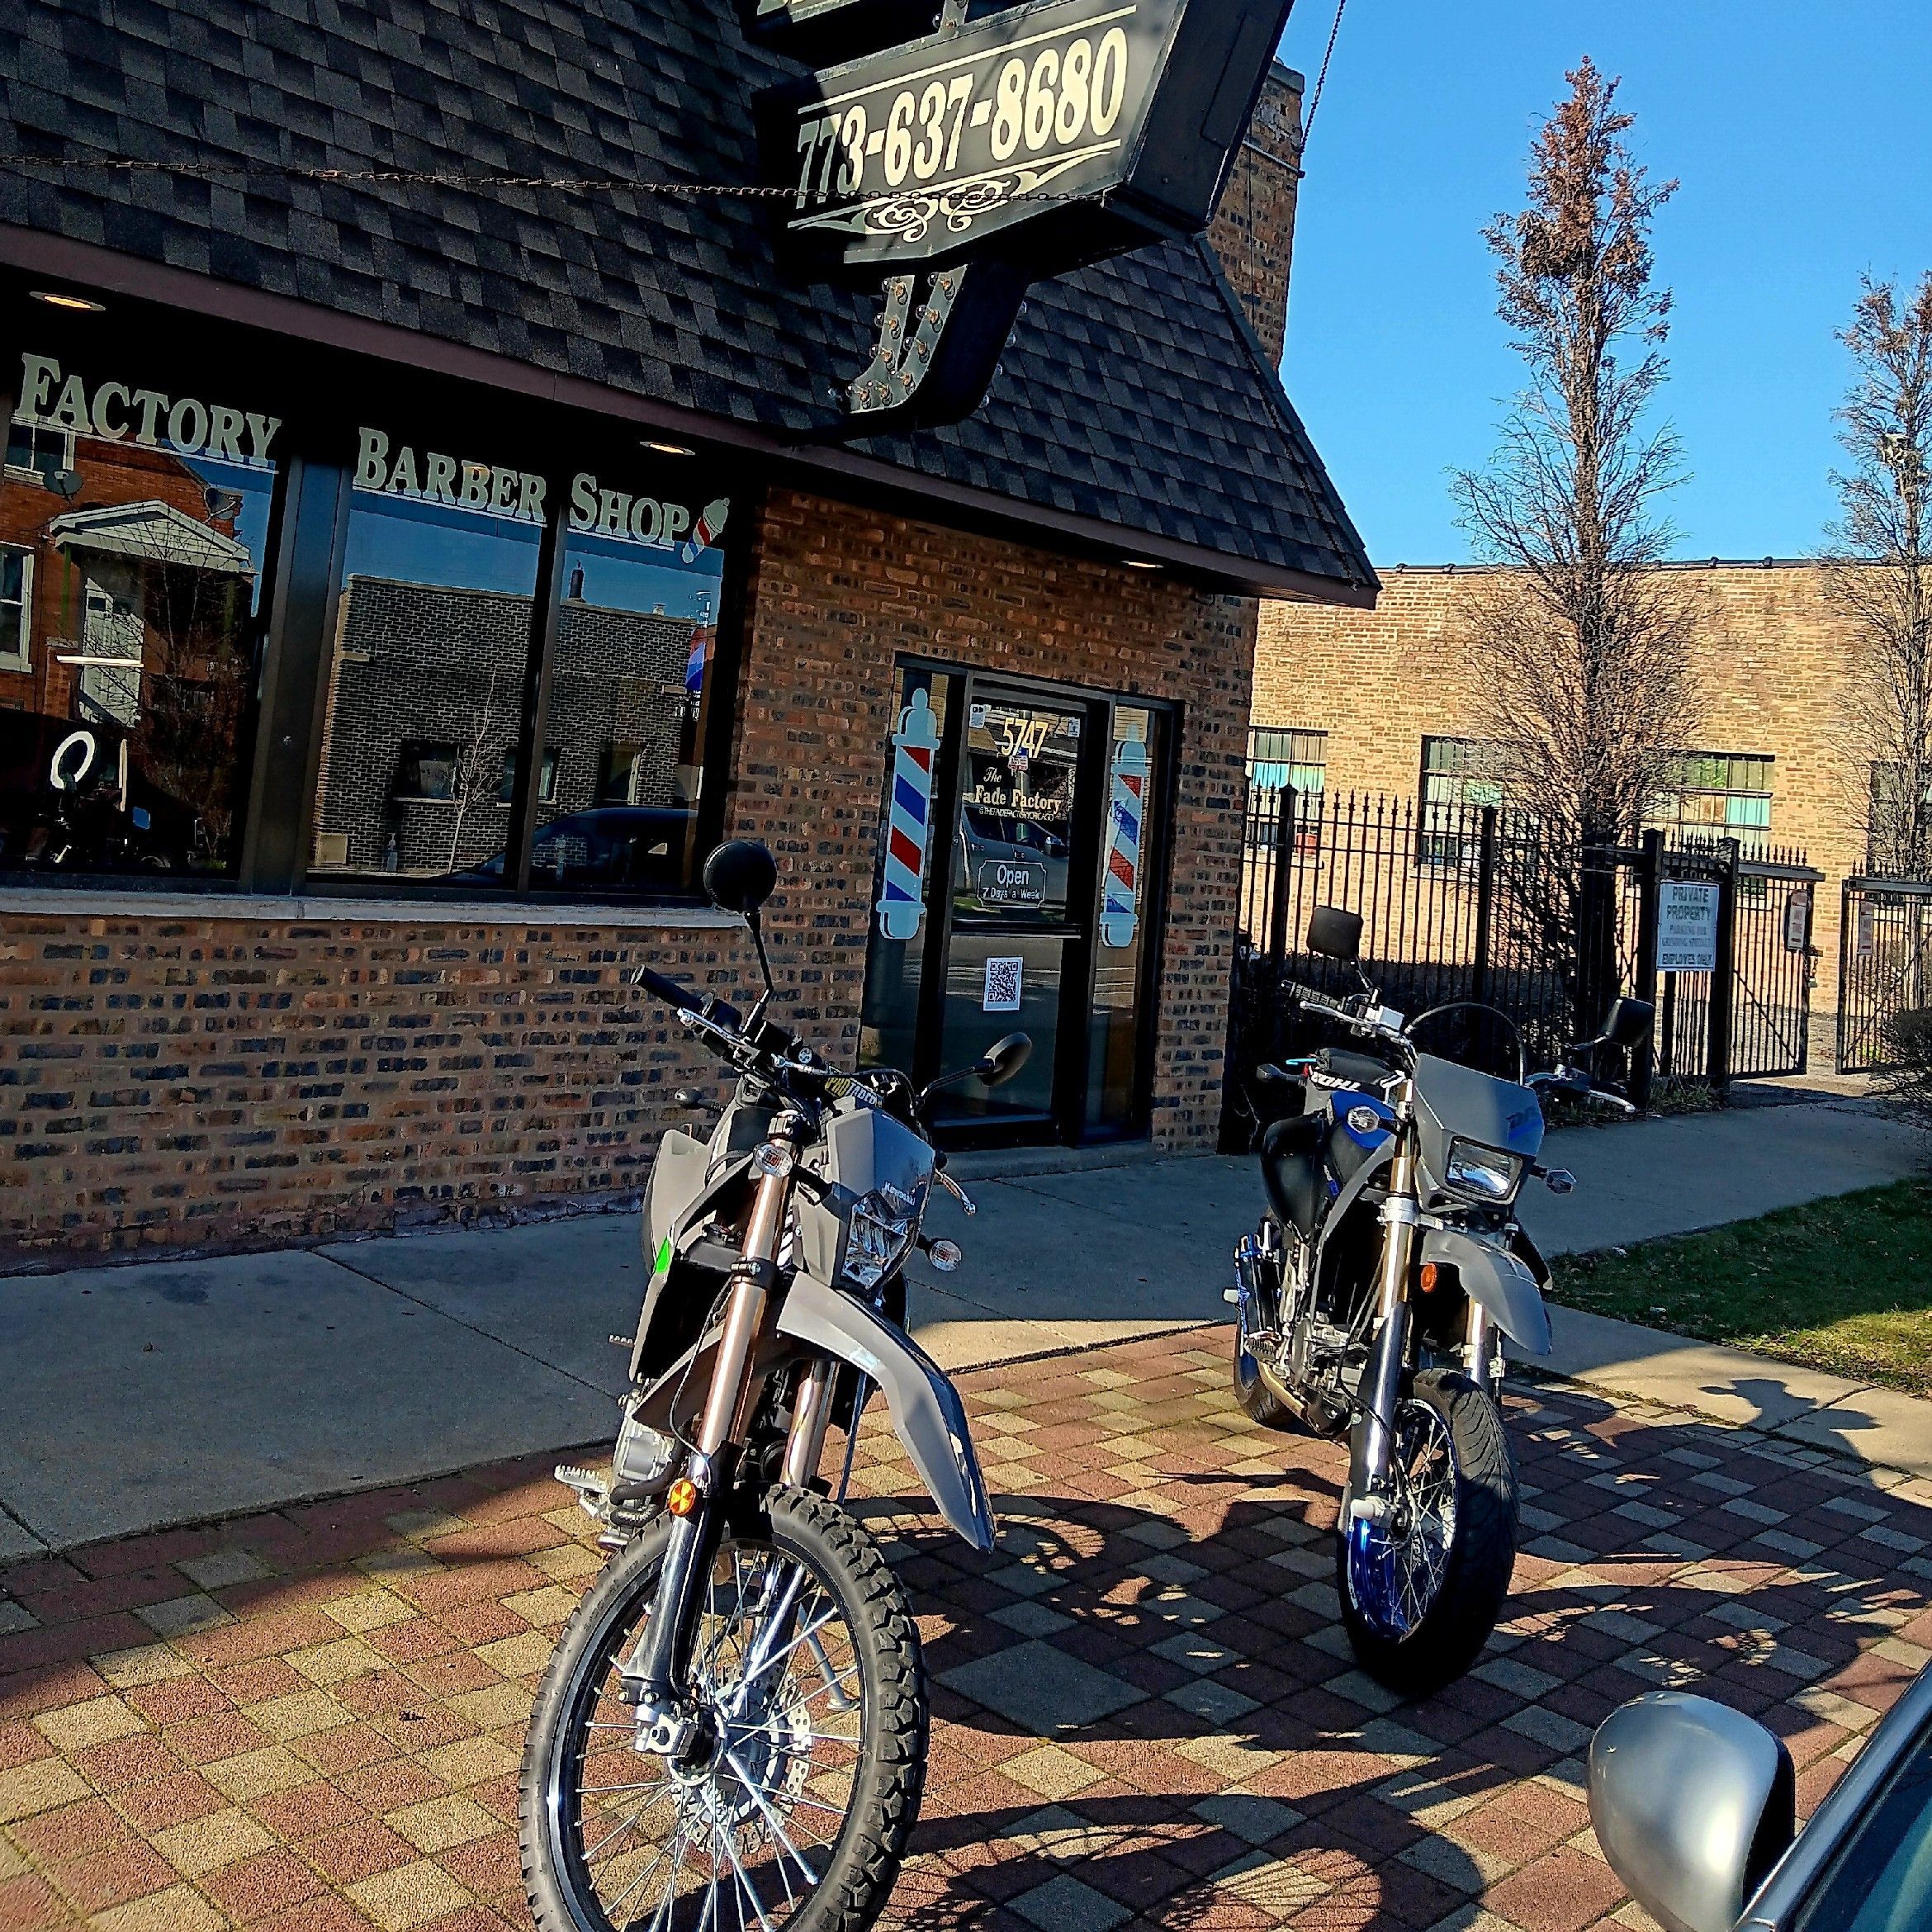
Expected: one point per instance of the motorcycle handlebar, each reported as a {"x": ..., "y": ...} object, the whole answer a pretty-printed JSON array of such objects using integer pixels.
[{"x": 667, "y": 990}]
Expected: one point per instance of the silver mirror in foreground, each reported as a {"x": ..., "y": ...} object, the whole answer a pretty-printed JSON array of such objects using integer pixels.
[{"x": 1692, "y": 1804}]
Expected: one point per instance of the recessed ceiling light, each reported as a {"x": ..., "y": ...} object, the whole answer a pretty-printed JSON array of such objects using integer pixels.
[
  {"x": 69, "y": 301},
  {"x": 1139, "y": 563},
  {"x": 669, "y": 448}
]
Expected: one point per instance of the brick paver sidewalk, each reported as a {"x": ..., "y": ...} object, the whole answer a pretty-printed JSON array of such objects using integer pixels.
[{"x": 1144, "y": 1712}]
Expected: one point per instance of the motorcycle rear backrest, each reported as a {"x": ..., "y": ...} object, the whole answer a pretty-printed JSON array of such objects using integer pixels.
[
  {"x": 1334, "y": 934},
  {"x": 1004, "y": 1058},
  {"x": 1628, "y": 1022},
  {"x": 740, "y": 876}
]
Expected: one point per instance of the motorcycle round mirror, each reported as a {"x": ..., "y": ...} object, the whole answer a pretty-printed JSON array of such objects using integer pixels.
[
  {"x": 740, "y": 876},
  {"x": 1334, "y": 934},
  {"x": 1004, "y": 1058},
  {"x": 1628, "y": 1022},
  {"x": 1693, "y": 1804}
]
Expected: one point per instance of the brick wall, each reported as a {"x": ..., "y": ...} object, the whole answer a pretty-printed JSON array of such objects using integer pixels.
[
  {"x": 1253, "y": 228},
  {"x": 835, "y": 594},
  {"x": 212, "y": 1079},
  {"x": 1771, "y": 662}
]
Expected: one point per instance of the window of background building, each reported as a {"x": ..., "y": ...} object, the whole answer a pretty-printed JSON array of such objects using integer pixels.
[
  {"x": 37, "y": 452},
  {"x": 1715, "y": 795},
  {"x": 17, "y": 599},
  {"x": 1459, "y": 776},
  {"x": 1897, "y": 836},
  {"x": 134, "y": 524},
  {"x": 1278, "y": 757}
]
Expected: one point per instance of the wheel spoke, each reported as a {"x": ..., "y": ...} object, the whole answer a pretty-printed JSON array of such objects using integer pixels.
[
  {"x": 744, "y": 1878},
  {"x": 772, "y": 1820}
]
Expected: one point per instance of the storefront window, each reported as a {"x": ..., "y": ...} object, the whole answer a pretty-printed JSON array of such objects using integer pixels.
[
  {"x": 427, "y": 679},
  {"x": 635, "y": 639},
  {"x": 133, "y": 524}
]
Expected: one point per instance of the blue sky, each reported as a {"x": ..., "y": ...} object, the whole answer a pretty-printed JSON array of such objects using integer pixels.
[{"x": 1800, "y": 134}]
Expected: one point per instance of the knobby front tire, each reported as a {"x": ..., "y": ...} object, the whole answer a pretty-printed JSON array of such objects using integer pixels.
[
  {"x": 1415, "y": 1640},
  {"x": 752, "y": 1829}
]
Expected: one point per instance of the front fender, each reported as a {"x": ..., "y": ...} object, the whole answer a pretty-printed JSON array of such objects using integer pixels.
[
  {"x": 1497, "y": 1282},
  {"x": 926, "y": 1411}
]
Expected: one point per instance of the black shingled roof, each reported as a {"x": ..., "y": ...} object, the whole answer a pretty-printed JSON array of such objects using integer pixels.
[{"x": 1132, "y": 394}]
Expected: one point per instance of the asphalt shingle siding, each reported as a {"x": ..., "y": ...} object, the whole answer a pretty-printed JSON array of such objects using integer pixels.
[{"x": 1132, "y": 392}]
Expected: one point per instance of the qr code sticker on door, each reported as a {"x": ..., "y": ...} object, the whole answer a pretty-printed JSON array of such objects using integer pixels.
[{"x": 1002, "y": 987}]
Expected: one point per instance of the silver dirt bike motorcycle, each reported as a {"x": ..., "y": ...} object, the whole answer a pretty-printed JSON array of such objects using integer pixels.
[
  {"x": 1373, "y": 1298},
  {"x": 732, "y": 1731}
]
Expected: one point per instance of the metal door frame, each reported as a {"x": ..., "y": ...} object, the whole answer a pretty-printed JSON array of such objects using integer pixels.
[{"x": 1064, "y": 1121}]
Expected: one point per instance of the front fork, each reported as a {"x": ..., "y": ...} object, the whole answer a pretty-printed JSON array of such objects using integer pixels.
[
  {"x": 666, "y": 1722},
  {"x": 1381, "y": 1381}
]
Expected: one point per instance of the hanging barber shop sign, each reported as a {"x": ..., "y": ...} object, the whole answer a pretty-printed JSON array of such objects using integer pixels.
[{"x": 993, "y": 152}]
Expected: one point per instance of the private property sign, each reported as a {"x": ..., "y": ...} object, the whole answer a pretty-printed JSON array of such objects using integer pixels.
[{"x": 1687, "y": 926}]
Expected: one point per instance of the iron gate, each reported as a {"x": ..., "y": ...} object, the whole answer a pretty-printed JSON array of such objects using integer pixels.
[
  {"x": 1449, "y": 896},
  {"x": 1762, "y": 1026},
  {"x": 1884, "y": 967}
]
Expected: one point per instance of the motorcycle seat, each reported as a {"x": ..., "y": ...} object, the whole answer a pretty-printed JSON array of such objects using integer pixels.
[
  {"x": 1361, "y": 1070},
  {"x": 1291, "y": 1165}
]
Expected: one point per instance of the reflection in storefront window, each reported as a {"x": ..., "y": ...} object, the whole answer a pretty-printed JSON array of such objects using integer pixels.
[
  {"x": 427, "y": 678},
  {"x": 132, "y": 527},
  {"x": 636, "y": 638},
  {"x": 427, "y": 690}
]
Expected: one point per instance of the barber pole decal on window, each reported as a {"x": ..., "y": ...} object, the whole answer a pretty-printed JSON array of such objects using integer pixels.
[
  {"x": 711, "y": 522},
  {"x": 1126, "y": 812},
  {"x": 909, "y": 820}
]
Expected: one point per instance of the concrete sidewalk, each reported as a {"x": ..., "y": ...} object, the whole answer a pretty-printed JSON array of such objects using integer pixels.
[{"x": 170, "y": 1391}]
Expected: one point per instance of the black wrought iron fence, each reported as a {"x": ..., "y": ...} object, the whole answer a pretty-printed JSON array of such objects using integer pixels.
[
  {"x": 1884, "y": 968},
  {"x": 1478, "y": 902}
]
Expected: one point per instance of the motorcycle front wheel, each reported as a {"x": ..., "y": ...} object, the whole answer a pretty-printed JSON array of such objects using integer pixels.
[
  {"x": 1422, "y": 1592},
  {"x": 796, "y": 1809}
]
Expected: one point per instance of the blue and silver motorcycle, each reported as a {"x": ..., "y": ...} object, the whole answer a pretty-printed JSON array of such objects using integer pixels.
[{"x": 1373, "y": 1299}]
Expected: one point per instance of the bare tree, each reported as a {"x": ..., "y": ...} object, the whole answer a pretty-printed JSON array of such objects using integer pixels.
[
  {"x": 1878, "y": 569},
  {"x": 1580, "y": 643}
]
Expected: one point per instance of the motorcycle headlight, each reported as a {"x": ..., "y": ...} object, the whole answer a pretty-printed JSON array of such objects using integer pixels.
[
  {"x": 878, "y": 1237},
  {"x": 1486, "y": 1172}
]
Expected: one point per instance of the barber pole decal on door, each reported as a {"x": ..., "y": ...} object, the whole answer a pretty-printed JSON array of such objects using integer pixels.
[
  {"x": 1126, "y": 812},
  {"x": 909, "y": 820}
]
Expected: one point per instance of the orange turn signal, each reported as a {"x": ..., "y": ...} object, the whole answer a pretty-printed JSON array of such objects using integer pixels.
[
  {"x": 682, "y": 1497},
  {"x": 1428, "y": 1277}
]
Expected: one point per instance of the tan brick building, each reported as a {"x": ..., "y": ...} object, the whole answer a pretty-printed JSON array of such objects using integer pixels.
[
  {"x": 1771, "y": 663},
  {"x": 334, "y": 1005}
]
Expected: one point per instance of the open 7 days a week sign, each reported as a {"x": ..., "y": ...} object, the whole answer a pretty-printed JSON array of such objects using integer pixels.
[{"x": 992, "y": 153}]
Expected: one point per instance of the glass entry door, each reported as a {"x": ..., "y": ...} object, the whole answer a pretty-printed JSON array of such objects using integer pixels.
[
  {"x": 1017, "y": 920},
  {"x": 1019, "y": 844}
]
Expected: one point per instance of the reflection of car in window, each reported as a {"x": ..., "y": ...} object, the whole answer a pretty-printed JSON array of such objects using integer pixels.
[
  {"x": 637, "y": 847},
  {"x": 1012, "y": 863}
]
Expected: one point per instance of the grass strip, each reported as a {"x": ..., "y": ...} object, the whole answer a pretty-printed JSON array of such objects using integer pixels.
[{"x": 1843, "y": 1285}]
